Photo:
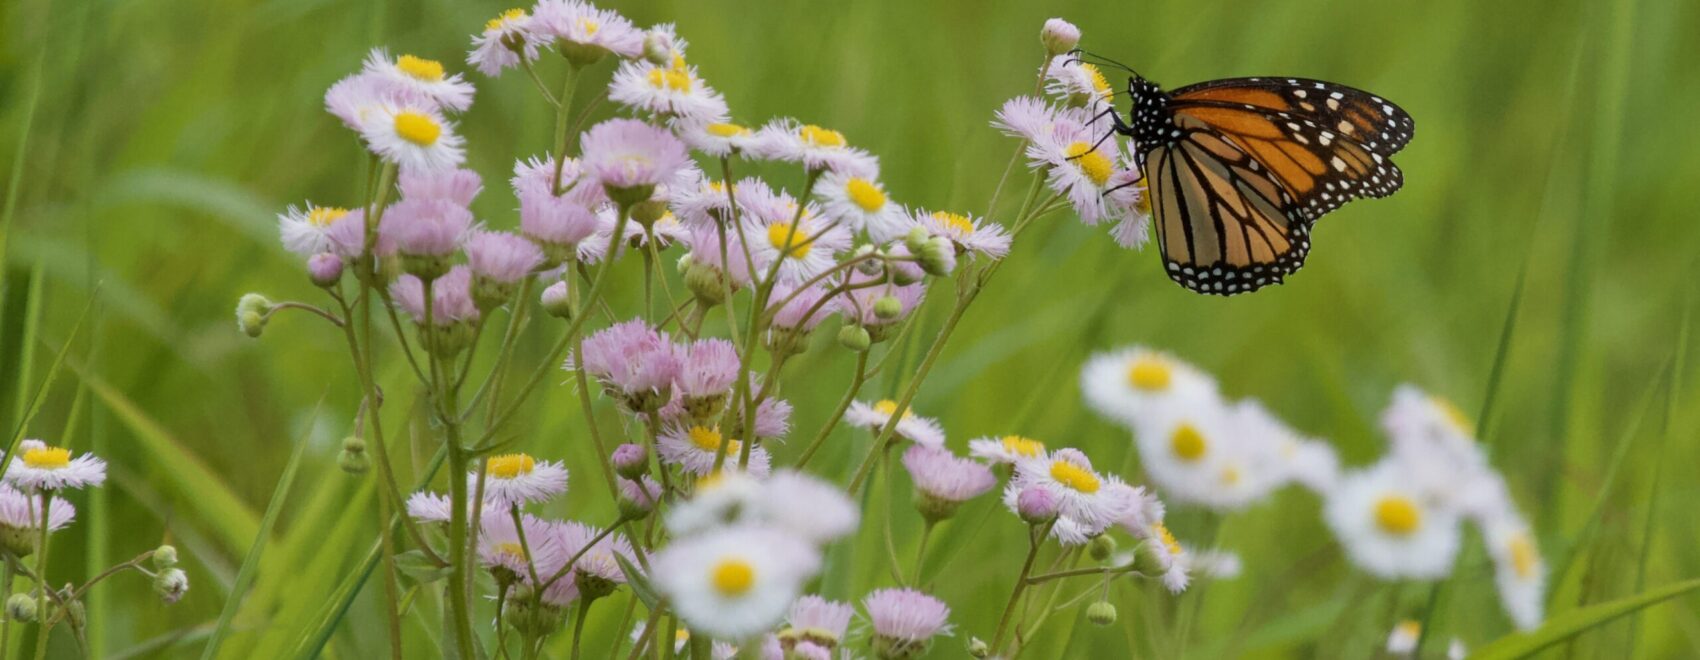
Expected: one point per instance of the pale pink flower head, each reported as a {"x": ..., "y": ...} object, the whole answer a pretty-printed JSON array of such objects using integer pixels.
[
  {"x": 346, "y": 236},
  {"x": 22, "y": 512},
  {"x": 39, "y": 467},
  {"x": 324, "y": 268},
  {"x": 705, "y": 248},
  {"x": 428, "y": 507},
  {"x": 944, "y": 480},
  {"x": 411, "y": 76},
  {"x": 630, "y": 157},
  {"x": 905, "y": 621},
  {"x": 1036, "y": 505},
  {"x": 501, "y": 257},
  {"x": 596, "y": 571},
  {"x": 584, "y": 33},
  {"x": 357, "y": 100},
  {"x": 819, "y": 622},
  {"x": 797, "y": 305},
  {"x": 505, "y": 40},
  {"x": 426, "y": 227},
  {"x": 456, "y": 186},
  {"x": 557, "y": 224},
  {"x": 451, "y": 297},
  {"x": 537, "y": 174},
  {"x": 642, "y": 493},
  {"x": 773, "y": 419},
  {"x": 709, "y": 369},
  {"x": 512, "y": 480},
  {"x": 1059, "y": 36},
  {"x": 633, "y": 361},
  {"x": 502, "y": 552}
]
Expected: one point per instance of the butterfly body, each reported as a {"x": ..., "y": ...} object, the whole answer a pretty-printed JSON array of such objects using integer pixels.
[{"x": 1238, "y": 170}]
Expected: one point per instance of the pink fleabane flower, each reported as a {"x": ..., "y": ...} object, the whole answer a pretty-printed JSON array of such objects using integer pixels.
[
  {"x": 451, "y": 297},
  {"x": 505, "y": 40},
  {"x": 456, "y": 186},
  {"x": 21, "y": 511},
  {"x": 426, "y": 227},
  {"x": 634, "y": 361},
  {"x": 710, "y": 367},
  {"x": 512, "y": 480},
  {"x": 418, "y": 77},
  {"x": 944, "y": 480},
  {"x": 583, "y": 33},
  {"x": 905, "y": 621},
  {"x": 630, "y": 157},
  {"x": 501, "y": 257}
]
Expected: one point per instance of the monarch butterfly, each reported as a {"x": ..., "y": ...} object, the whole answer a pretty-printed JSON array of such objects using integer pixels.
[{"x": 1239, "y": 169}]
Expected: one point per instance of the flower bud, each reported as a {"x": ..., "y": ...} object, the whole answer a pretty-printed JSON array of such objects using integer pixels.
[
  {"x": 1101, "y": 613},
  {"x": 1036, "y": 505},
  {"x": 165, "y": 557},
  {"x": 888, "y": 307},
  {"x": 706, "y": 282},
  {"x": 658, "y": 48},
  {"x": 353, "y": 459},
  {"x": 870, "y": 267},
  {"x": 1101, "y": 548},
  {"x": 855, "y": 338},
  {"x": 937, "y": 256},
  {"x": 171, "y": 584},
  {"x": 631, "y": 509},
  {"x": 20, "y": 607},
  {"x": 324, "y": 269},
  {"x": 978, "y": 647},
  {"x": 76, "y": 613},
  {"x": 251, "y": 312},
  {"x": 631, "y": 461},
  {"x": 916, "y": 240},
  {"x": 1059, "y": 36},
  {"x": 555, "y": 302}
]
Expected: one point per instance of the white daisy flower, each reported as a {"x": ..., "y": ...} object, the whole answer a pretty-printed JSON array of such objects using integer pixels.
[
  {"x": 796, "y": 503},
  {"x": 583, "y": 33},
  {"x": 1436, "y": 443},
  {"x": 39, "y": 467},
  {"x": 518, "y": 480},
  {"x": 804, "y": 249},
  {"x": 692, "y": 447},
  {"x": 914, "y": 428},
  {"x": 414, "y": 136},
  {"x": 1085, "y": 497},
  {"x": 1193, "y": 451},
  {"x": 1130, "y": 384},
  {"x": 421, "y": 77},
  {"x": 307, "y": 232},
  {"x": 1008, "y": 449},
  {"x": 715, "y": 137},
  {"x": 861, "y": 203},
  {"x": 734, "y": 582},
  {"x": 1518, "y": 570},
  {"x": 672, "y": 91},
  {"x": 1310, "y": 462},
  {"x": 816, "y": 148},
  {"x": 970, "y": 235},
  {"x": 1402, "y": 640},
  {"x": 1388, "y": 528}
]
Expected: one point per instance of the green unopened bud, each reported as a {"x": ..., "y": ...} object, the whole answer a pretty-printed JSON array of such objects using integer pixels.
[
  {"x": 171, "y": 584},
  {"x": 354, "y": 461},
  {"x": 658, "y": 48},
  {"x": 251, "y": 312},
  {"x": 888, "y": 307},
  {"x": 855, "y": 338},
  {"x": 978, "y": 647},
  {"x": 17, "y": 541},
  {"x": 1059, "y": 36},
  {"x": 20, "y": 607},
  {"x": 164, "y": 557},
  {"x": 708, "y": 283},
  {"x": 79, "y": 615},
  {"x": 869, "y": 267},
  {"x": 555, "y": 301},
  {"x": 937, "y": 256},
  {"x": 916, "y": 240},
  {"x": 1101, "y": 547},
  {"x": 1101, "y": 613}
]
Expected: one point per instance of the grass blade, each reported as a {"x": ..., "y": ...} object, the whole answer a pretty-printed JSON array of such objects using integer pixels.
[
  {"x": 1575, "y": 622},
  {"x": 41, "y": 392},
  {"x": 245, "y": 575}
]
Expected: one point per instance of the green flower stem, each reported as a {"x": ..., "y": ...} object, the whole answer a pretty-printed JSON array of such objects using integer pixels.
[
  {"x": 1035, "y": 538},
  {"x": 41, "y": 583},
  {"x": 563, "y": 109},
  {"x": 850, "y": 393}
]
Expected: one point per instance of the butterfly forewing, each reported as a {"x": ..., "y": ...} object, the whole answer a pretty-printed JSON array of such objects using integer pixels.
[{"x": 1369, "y": 120}]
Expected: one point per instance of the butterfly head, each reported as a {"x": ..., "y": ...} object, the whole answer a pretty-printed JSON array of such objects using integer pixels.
[{"x": 1149, "y": 118}]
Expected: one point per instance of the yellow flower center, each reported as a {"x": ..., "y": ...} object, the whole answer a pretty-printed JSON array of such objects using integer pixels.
[
  {"x": 789, "y": 242},
  {"x": 1074, "y": 476},
  {"x": 511, "y": 549},
  {"x": 1523, "y": 556},
  {"x": 708, "y": 439},
  {"x": 955, "y": 221},
  {"x": 865, "y": 194},
  {"x": 1094, "y": 164},
  {"x": 1144, "y": 203},
  {"x": 888, "y": 408},
  {"x": 1187, "y": 443},
  {"x": 1020, "y": 446},
  {"x": 681, "y": 635},
  {"x": 417, "y": 128},
  {"x": 509, "y": 466},
  {"x": 1410, "y": 628},
  {"x": 1398, "y": 515},
  {"x": 1149, "y": 373},
  {"x": 323, "y": 216},
  {"x": 678, "y": 60},
  {"x": 420, "y": 68},
  {"x": 1099, "y": 83},
  {"x": 589, "y": 26},
  {"x": 1230, "y": 475},
  {"x": 1167, "y": 538},
  {"x": 733, "y": 577},
  {"x": 816, "y": 136},
  {"x": 47, "y": 458},
  {"x": 674, "y": 79},
  {"x": 717, "y": 186},
  {"x": 725, "y": 131},
  {"x": 506, "y": 16},
  {"x": 1460, "y": 422}
]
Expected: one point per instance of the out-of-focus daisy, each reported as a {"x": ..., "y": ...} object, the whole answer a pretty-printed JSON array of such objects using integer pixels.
[
  {"x": 1436, "y": 443},
  {"x": 518, "y": 479},
  {"x": 1077, "y": 83},
  {"x": 506, "y": 39},
  {"x": 456, "y": 186},
  {"x": 1388, "y": 528},
  {"x": 583, "y": 33},
  {"x": 803, "y": 242},
  {"x": 633, "y": 360},
  {"x": 1518, "y": 570},
  {"x": 818, "y": 621},
  {"x": 1128, "y": 384},
  {"x": 307, "y": 232},
  {"x": 861, "y": 203},
  {"x": 1008, "y": 449},
  {"x": 801, "y": 505},
  {"x": 912, "y": 427},
  {"x": 721, "y": 650},
  {"x": 1088, "y": 501},
  {"x": 905, "y": 621},
  {"x": 1310, "y": 462},
  {"x": 413, "y": 135},
  {"x": 970, "y": 235},
  {"x": 1194, "y": 452},
  {"x": 357, "y": 100},
  {"x": 734, "y": 582},
  {"x": 630, "y": 158},
  {"x": 818, "y": 149},
  {"x": 1402, "y": 640},
  {"x": 715, "y": 138},
  {"x": 421, "y": 77},
  {"x": 693, "y": 447},
  {"x": 40, "y": 467},
  {"x": 943, "y": 481},
  {"x": 668, "y": 90}
]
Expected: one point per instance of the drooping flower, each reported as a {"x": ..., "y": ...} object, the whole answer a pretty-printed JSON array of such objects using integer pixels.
[
  {"x": 818, "y": 621},
  {"x": 709, "y": 369},
  {"x": 596, "y": 572}
]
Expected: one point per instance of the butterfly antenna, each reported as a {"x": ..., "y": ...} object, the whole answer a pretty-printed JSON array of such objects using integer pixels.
[{"x": 1079, "y": 52}]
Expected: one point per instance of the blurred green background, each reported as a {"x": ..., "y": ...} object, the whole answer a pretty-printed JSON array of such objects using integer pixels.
[{"x": 147, "y": 145}]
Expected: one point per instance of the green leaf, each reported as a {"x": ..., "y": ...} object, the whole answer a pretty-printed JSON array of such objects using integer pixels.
[
  {"x": 416, "y": 565},
  {"x": 639, "y": 583},
  {"x": 1575, "y": 622}
]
